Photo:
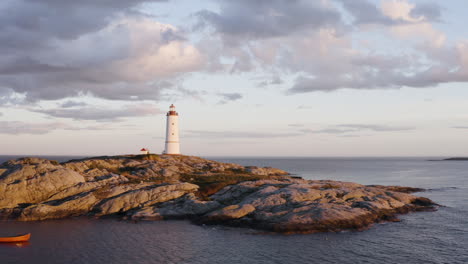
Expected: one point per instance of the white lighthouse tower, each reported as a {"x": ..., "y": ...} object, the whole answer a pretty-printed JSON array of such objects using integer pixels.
[{"x": 172, "y": 132}]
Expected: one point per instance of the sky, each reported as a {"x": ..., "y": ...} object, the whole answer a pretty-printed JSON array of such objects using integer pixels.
[{"x": 248, "y": 77}]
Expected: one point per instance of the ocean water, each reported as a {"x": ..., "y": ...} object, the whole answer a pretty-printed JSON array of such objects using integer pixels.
[{"x": 423, "y": 237}]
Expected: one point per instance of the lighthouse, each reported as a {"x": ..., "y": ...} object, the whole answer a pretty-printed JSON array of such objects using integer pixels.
[{"x": 172, "y": 145}]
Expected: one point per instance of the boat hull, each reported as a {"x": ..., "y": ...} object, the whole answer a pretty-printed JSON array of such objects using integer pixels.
[{"x": 22, "y": 238}]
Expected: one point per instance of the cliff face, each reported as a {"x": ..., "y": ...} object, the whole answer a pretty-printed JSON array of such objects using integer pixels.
[{"x": 153, "y": 187}]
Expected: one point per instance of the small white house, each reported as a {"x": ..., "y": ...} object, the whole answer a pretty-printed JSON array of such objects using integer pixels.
[{"x": 144, "y": 151}]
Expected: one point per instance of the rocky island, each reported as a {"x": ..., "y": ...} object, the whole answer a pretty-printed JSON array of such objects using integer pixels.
[
  {"x": 157, "y": 187},
  {"x": 457, "y": 159}
]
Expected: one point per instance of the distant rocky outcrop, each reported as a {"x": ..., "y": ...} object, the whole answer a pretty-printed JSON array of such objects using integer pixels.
[
  {"x": 451, "y": 159},
  {"x": 457, "y": 159},
  {"x": 155, "y": 187}
]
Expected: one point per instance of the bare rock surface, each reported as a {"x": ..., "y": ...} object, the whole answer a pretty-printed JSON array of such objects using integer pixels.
[
  {"x": 155, "y": 187},
  {"x": 144, "y": 197},
  {"x": 35, "y": 186},
  {"x": 292, "y": 205},
  {"x": 32, "y": 180},
  {"x": 78, "y": 205},
  {"x": 82, "y": 187},
  {"x": 229, "y": 212},
  {"x": 163, "y": 167},
  {"x": 187, "y": 206}
]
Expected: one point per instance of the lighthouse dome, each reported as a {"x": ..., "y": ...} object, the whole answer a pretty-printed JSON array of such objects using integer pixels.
[{"x": 172, "y": 111}]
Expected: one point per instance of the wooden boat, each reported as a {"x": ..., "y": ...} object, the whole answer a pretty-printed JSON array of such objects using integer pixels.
[{"x": 22, "y": 238}]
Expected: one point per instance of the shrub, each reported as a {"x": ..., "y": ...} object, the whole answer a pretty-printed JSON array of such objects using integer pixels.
[
  {"x": 211, "y": 184},
  {"x": 329, "y": 186}
]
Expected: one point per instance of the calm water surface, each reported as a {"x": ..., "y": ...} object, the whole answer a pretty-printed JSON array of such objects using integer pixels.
[{"x": 426, "y": 237}]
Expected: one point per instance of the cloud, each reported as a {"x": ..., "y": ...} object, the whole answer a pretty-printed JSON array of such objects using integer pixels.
[
  {"x": 332, "y": 131},
  {"x": 365, "y": 12},
  {"x": 266, "y": 19},
  {"x": 57, "y": 49},
  {"x": 377, "y": 128},
  {"x": 71, "y": 103},
  {"x": 315, "y": 42},
  {"x": 353, "y": 128},
  {"x": 405, "y": 11},
  {"x": 9, "y": 97},
  {"x": 100, "y": 114},
  {"x": 391, "y": 13},
  {"x": 256, "y": 34},
  {"x": 350, "y": 136},
  {"x": 385, "y": 72},
  {"x": 53, "y": 49},
  {"x": 429, "y": 11},
  {"x": 275, "y": 80},
  {"x": 304, "y": 107},
  {"x": 19, "y": 128},
  {"x": 182, "y": 92},
  {"x": 237, "y": 134},
  {"x": 229, "y": 97},
  {"x": 341, "y": 130},
  {"x": 296, "y": 125},
  {"x": 62, "y": 19}
]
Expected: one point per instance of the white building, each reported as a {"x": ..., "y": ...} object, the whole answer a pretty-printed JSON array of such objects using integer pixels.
[
  {"x": 172, "y": 145},
  {"x": 144, "y": 151}
]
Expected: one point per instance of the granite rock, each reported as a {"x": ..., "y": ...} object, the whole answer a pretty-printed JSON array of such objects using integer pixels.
[
  {"x": 151, "y": 187},
  {"x": 32, "y": 180}
]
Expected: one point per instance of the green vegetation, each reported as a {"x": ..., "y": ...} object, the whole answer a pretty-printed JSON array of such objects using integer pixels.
[
  {"x": 210, "y": 184},
  {"x": 210, "y": 176},
  {"x": 155, "y": 157},
  {"x": 97, "y": 165},
  {"x": 329, "y": 186}
]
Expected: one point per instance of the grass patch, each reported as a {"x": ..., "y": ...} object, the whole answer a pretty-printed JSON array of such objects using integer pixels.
[
  {"x": 155, "y": 157},
  {"x": 211, "y": 184},
  {"x": 115, "y": 170},
  {"x": 96, "y": 165},
  {"x": 329, "y": 186},
  {"x": 325, "y": 186}
]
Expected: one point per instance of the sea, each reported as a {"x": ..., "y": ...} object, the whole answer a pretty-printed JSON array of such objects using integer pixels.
[{"x": 422, "y": 237}]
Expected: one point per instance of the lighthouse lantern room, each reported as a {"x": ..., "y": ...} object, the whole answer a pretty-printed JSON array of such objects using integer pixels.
[{"x": 172, "y": 145}]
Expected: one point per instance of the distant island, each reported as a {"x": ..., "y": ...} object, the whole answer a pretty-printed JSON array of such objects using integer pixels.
[
  {"x": 451, "y": 159},
  {"x": 457, "y": 158},
  {"x": 157, "y": 187}
]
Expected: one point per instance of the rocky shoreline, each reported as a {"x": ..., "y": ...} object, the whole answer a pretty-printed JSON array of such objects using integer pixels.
[{"x": 158, "y": 187}]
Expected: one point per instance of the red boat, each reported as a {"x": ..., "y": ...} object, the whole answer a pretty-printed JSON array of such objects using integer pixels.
[{"x": 22, "y": 238}]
